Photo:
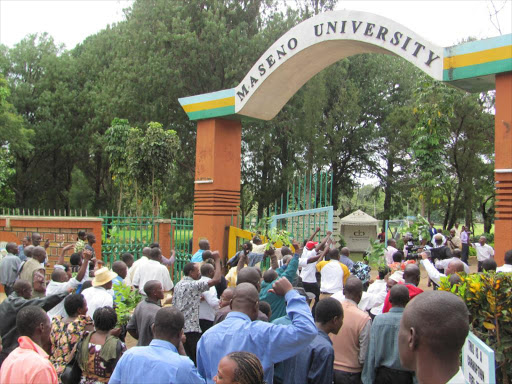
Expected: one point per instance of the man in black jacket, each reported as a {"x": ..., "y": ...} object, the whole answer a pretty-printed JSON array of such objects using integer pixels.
[{"x": 10, "y": 307}]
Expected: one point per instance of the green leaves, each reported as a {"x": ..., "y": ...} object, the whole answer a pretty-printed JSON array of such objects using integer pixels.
[{"x": 126, "y": 300}]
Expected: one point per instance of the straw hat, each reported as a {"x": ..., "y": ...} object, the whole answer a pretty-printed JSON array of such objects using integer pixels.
[{"x": 102, "y": 276}]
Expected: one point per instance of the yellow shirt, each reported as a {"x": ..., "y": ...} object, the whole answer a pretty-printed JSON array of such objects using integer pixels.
[
  {"x": 346, "y": 272},
  {"x": 231, "y": 277}
]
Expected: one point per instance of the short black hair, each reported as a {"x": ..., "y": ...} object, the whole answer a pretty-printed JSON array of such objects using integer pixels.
[
  {"x": 81, "y": 233},
  {"x": 90, "y": 236},
  {"x": 118, "y": 266},
  {"x": 154, "y": 245},
  {"x": 508, "y": 257},
  {"x": 189, "y": 267},
  {"x": 206, "y": 269},
  {"x": 265, "y": 308},
  {"x": 398, "y": 256},
  {"x": 105, "y": 318},
  {"x": 489, "y": 265},
  {"x": 207, "y": 255},
  {"x": 29, "y": 318},
  {"x": 73, "y": 303},
  {"x": 169, "y": 322},
  {"x": 327, "y": 309},
  {"x": 127, "y": 257},
  {"x": 334, "y": 254},
  {"x": 399, "y": 295},
  {"x": 383, "y": 271},
  {"x": 75, "y": 259},
  {"x": 270, "y": 275},
  {"x": 286, "y": 251},
  {"x": 155, "y": 253},
  {"x": 150, "y": 286},
  {"x": 86, "y": 284}
]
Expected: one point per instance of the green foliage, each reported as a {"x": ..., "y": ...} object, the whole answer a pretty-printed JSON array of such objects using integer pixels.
[
  {"x": 487, "y": 296},
  {"x": 278, "y": 236},
  {"x": 126, "y": 300},
  {"x": 419, "y": 228},
  {"x": 375, "y": 254}
]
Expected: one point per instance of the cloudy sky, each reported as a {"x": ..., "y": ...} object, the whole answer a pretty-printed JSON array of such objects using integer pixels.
[{"x": 442, "y": 22}]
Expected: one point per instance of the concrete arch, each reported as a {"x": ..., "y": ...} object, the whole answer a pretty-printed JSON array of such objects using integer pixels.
[{"x": 320, "y": 41}]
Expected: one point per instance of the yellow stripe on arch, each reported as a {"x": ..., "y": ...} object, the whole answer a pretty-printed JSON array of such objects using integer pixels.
[
  {"x": 226, "y": 102},
  {"x": 480, "y": 57}
]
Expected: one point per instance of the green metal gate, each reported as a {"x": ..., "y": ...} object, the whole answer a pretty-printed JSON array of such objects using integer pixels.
[{"x": 182, "y": 226}]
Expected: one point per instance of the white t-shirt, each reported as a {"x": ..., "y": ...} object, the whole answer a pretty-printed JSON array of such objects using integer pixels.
[
  {"x": 131, "y": 272},
  {"x": 308, "y": 272},
  {"x": 389, "y": 254},
  {"x": 210, "y": 304},
  {"x": 375, "y": 296},
  {"x": 483, "y": 252},
  {"x": 55, "y": 288},
  {"x": 332, "y": 277},
  {"x": 504, "y": 268},
  {"x": 97, "y": 297},
  {"x": 152, "y": 270}
]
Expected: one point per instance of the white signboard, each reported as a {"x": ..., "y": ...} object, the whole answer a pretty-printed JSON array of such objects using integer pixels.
[{"x": 478, "y": 361}]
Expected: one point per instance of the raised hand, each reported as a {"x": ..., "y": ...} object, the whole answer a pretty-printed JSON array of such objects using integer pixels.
[{"x": 281, "y": 286}]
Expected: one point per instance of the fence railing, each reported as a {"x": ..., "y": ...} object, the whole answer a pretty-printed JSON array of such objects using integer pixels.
[{"x": 182, "y": 225}]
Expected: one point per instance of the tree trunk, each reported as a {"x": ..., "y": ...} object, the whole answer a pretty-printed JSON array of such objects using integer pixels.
[
  {"x": 120, "y": 199},
  {"x": 388, "y": 190},
  {"x": 447, "y": 212}
]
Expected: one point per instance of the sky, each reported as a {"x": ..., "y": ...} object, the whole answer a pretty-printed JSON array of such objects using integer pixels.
[{"x": 441, "y": 22}]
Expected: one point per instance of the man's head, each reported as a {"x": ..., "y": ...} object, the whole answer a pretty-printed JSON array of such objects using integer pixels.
[
  {"x": 265, "y": 308},
  {"x": 452, "y": 232},
  {"x": 412, "y": 274},
  {"x": 239, "y": 368},
  {"x": 345, "y": 252},
  {"x": 391, "y": 243},
  {"x": 489, "y": 265},
  {"x": 75, "y": 259},
  {"x": 75, "y": 305},
  {"x": 334, "y": 254},
  {"x": 329, "y": 315},
  {"x": 399, "y": 296},
  {"x": 249, "y": 275},
  {"x": 482, "y": 240},
  {"x": 120, "y": 268},
  {"x": 128, "y": 259},
  {"x": 508, "y": 257},
  {"x": 192, "y": 270},
  {"x": 59, "y": 275},
  {"x": 431, "y": 224},
  {"x": 286, "y": 259},
  {"x": 394, "y": 279},
  {"x": 226, "y": 297},
  {"x": 246, "y": 300},
  {"x": 285, "y": 251},
  {"x": 353, "y": 289},
  {"x": 26, "y": 241},
  {"x": 36, "y": 239},
  {"x": 11, "y": 248},
  {"x": 463, "y": 228},
  {"x": 82, "y": 235},
  {"x": 168, "y": 325},
  {"x": 33, "y": 322},
  {"x": 256, "y": 240},
  {"x": 39, "y": 254},
  {"x": 23, "y": 289},
  {"x": 155, "y": 254},
  {"x": 207, "y": 270},
  {"x": 383, "y": 272},
  {"x": 103, "y": 278},
  {"x": 28, "y": 251},
  {"x": 455, "y": 266},
  {"x": 154, "y": 290},
  {"x": 270, "y": 275},
  {"x": 154, "y": 245},
  {"x": 146, "y": 251},
  {"x": 438, "y": 239},
  {"x": 91, "y": 239},
  {"x": 204, "y": 244},
  {"x": 423, "y": 337},
  {"x": 398, "y": 256}
]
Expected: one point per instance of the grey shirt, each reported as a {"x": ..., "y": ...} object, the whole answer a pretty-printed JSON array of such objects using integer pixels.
[
  {"x": 9, "y": 269},
  {"x": 142, "y": 319}
]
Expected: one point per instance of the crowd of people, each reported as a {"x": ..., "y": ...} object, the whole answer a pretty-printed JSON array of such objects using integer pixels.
[{"x": 314, "y": 316}]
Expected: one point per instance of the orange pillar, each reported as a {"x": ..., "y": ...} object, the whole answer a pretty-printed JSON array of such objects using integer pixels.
[
  {"x": 217, "y": 181},
  {"x": 503, "y": 166}
]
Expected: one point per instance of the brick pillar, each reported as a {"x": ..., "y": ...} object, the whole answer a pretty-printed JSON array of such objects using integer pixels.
[
  {"x": 217, "y": 181},
  {"x": 503, "y": 166}
]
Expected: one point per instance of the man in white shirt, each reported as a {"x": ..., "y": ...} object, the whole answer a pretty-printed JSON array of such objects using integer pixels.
[
  {"x": 61, "y": 282},
  {"x": 483, "y": 251},
  {"x": 377, "y": 291},
  {"x": 390, "y": 250},
  {"x": 507, "y": 267},
  {"x": 334, "y": 274},
  {"x": 152, "y": 270},
  {"x": 454, "y": 266},
  {"x": 209, "y": 300},
  {"x": 98, "y": 296},
  {"x": 443, "y": 264},
  {"x": 464, "y": 239},
  {"x": 131, "y": 271}
]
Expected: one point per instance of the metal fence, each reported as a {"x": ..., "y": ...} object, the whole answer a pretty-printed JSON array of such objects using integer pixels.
[{"x": 182, "y": 225}]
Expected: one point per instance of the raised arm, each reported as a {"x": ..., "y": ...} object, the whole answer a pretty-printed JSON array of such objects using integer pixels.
[
  {"x": 319, "y": 256},
  {"x": 217, "y": 275},
  {"x": 324, "y": 241},
  {"x": 244, "y": 259},
  {"x": 63, "y": 253},
  {"x": 273, "y": 258},
  {"x": 432, "y": 272},
  {"x": 85, "y": 265},
  {"x": 314, "y": 234}
]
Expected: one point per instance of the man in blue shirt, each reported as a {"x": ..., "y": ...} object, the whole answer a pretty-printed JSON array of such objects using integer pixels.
[
  {"x": 314, "y": 363},
  {"x": 164, "y": 360},
  {"x": 239, "y": 332},
  {"x": 204, "y": 245},
  {"x": 383, "y": 360}
]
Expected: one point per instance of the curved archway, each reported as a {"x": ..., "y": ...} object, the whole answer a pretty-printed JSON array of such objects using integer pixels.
[{"x": 318, "y": 42}]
